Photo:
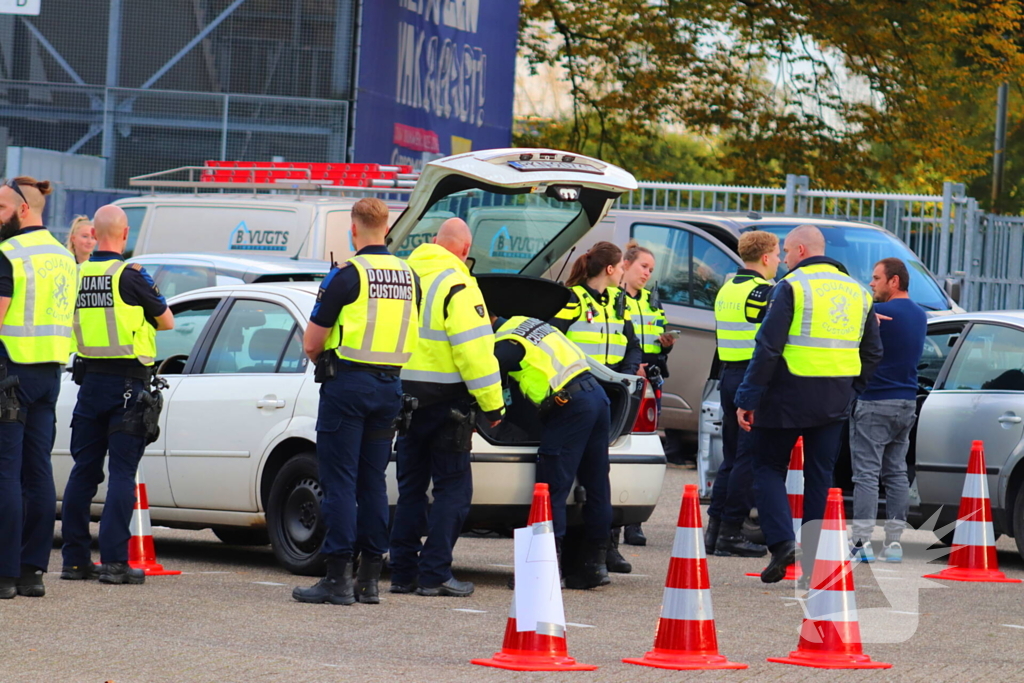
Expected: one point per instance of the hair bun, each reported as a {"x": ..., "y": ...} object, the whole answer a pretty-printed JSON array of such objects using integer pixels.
[{"x": 44, "y": 187}]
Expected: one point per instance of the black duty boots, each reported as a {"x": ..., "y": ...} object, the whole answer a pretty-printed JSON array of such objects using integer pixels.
[
  {"x": 120, "y": 572},
  {"x": 615, "y": 562},
  {"x": 783, "y": 555},
  {"x": 8, "y": 587},
  {"x": 711, "y": 535},
  {"x": 732, "y": 543},
  {"x": 368, "y": 577},
  {"x": 84, "y": 572},
  {"x": 30, "y": 583},
  {"x": 337, "y": 587},
  {"x": 633, "y": 534},
  {"x": 591, "y": 572}
]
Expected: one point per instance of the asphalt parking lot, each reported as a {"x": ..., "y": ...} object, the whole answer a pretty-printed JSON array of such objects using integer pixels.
[{"x": 230, "y": 617}]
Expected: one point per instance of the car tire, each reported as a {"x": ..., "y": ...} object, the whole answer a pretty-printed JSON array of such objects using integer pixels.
[
  {"x": 233, "y": 535},
  {"x": 1017, "y": 515},
  {"x": 294, "y": 519}
]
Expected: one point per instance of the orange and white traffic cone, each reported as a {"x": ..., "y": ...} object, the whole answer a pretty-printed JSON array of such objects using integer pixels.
[
  {"x": 830, "y": 633},
  {"x": 141, "y": 553},
  {"x": 795, "y": 493},
  {"x": 542, "y": 646},
  {"x": 685, "y": 637},
  {"x": 973, "y": 557}
]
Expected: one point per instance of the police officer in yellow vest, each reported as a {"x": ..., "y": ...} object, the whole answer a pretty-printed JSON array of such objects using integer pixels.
[
  {"x": 452, "y": 374},
  {"x": 816, "y": 349},
  {"x": 739, "y": 308},
  {"x": 37, "y": 303},
  {"x": 361, "y": 333},
  {"x": 554, "y": 375},
  {"x": 117, "y": 314}
]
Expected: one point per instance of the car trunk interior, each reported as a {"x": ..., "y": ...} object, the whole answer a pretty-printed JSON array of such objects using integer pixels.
[{"x": 510, "y": 295}]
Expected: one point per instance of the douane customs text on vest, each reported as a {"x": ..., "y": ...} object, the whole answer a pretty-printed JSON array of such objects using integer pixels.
[
  {"x": 96, "y": 291},
  {"x": 533, "y": 330},
  {"x": 389, "y": 284}
]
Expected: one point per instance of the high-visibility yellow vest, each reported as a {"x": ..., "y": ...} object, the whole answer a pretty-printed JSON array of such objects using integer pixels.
[
  {"x": 37, "y": 327},
  {"x": 456, "y": 343},
  {"x": 551, "y": 361},
  {"x": 648, "y": 321},
  {"x": 734, "y": 333},
  {"x": 105, "y": 326},
  {"x": 597, "y": 329},
  {"x": 379, "y": 328},
  {"x": 830, "y": 309}
]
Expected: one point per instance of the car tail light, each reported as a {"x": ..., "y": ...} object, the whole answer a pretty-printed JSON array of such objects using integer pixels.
[{"x": 647, "y": 417}]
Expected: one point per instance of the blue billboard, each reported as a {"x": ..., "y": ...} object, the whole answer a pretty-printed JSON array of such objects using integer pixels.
[{"x": 436, "y": 77}]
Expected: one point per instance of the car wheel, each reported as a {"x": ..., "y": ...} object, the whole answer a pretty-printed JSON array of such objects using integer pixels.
[
  {"x": 233, "y": 535},
  {"x": 1018, "y": 520},
  {"x": 294, "y": 519}
]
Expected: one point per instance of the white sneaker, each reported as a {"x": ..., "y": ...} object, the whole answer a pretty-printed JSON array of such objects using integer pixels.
[
  {"x": 862, "y": 553},
  {"x": 892, "y": 552}
]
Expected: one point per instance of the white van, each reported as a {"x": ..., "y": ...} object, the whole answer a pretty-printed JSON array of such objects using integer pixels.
[{"x": 308, "y": 226}]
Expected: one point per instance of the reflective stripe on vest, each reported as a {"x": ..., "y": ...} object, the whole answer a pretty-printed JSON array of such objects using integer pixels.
[
  {"x": 733, "y": 332},
  {"x": 551, "y": 360},
  {"x": 103, "y": 319},
  {"x": 830, "y": 310},
  {"x": 38, "y": 325},
  {"x": 602, "y": 337},
  {"x": 379, "y": 327},
  {"x": 648, "y": 322}
]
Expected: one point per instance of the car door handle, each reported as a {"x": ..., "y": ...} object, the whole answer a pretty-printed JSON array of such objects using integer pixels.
[
  {"x": 1010, "y": 418},
  {"x": 270, "y": 403}
]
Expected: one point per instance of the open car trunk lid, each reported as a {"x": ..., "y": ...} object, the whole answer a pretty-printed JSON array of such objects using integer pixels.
[
  {"x": 509, "y": 295},
  {"x": 525, "y": 207}
]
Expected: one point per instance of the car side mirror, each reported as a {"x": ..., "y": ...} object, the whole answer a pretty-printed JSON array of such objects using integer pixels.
[{"x": 951, "y": 286}]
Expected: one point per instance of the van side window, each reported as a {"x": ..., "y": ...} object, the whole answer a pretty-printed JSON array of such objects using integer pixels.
[
  {"x": 136, "y": 214},
  {"x": 991, "y": 358},
  {"x": 671, "y": 249},
  {"x": 711, "y": 268}
]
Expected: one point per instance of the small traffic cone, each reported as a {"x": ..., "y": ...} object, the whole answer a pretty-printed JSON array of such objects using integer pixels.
[
  {"x": 830, "y": 633},
  {"x": 542, "y": 648},
  {"x": 973, "y": 557},
  {"x": 795, "y": 493},
  {"x": 685, "y": 637},
  {"x": 141, "y": 553}
]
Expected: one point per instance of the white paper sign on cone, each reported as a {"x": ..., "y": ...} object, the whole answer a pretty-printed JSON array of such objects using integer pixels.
[{"x": 538, "y": 593}]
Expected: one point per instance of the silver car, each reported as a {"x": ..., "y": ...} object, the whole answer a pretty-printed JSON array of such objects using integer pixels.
[
  {"x": 971, "y": 381},
  {"x": 179, "y": 273}
]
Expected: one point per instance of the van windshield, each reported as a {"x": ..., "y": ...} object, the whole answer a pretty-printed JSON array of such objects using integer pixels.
[
  {"x": 859, "y": 249},
  {"x": 509, "y": 230}
]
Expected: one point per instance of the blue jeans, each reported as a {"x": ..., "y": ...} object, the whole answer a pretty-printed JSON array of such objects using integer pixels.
[
  {"x": 28, "y": 498},
  {"x": 574, "y": 445},
  {"x": 101, "y": 407},
  {"x": 422, "y": 460},
  {"x": 772, "y": 448},
  {"x": 879, "y": 441},
  {"x": 353, "y": 446},
  {"x": 732, "y": 495}
]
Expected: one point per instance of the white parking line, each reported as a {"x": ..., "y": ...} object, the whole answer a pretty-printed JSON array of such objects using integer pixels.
[
  {"x": 504, "y": 566},
  {"x": 569, "y": 623},
  {"x": 269, "y": 583},
  {"x": 471, "y": 611},
  {"x": 1012, "y": 626}
]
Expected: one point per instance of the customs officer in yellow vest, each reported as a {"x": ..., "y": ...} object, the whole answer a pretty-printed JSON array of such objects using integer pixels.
[
  {"x": 117, "y": 314},
  {"x": 815, "y": 351},
  {"x": 37, "y": 303},
  {"x": 453, "y": 374},
  {"x": 739, "y": 309},
  {"x": 361, "y": 333}
]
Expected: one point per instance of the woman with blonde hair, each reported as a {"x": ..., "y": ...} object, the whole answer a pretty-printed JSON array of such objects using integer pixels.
[{"x": 81, "y": 240}]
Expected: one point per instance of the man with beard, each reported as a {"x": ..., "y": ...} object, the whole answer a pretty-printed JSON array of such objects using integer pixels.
[{"x": 38, "y": 287}]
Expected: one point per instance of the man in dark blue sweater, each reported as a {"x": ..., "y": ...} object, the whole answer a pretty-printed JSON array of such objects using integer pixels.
[{"x": 885, "y": 412}]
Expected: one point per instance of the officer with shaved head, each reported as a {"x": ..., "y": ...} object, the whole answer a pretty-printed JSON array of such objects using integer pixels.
[
  {"x": 117, "y": 314},
  {"x": 814, "y": 352}
]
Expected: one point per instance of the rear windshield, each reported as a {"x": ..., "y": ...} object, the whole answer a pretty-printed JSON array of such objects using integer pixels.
[
  {"x": 859, "y": 249},
  {"x": 508, "y": 229}
]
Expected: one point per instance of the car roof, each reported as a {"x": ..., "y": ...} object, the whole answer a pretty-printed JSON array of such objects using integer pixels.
[
  {"x": 292, "y": 290},
  {"x": 1010, "y": 317},
  {"x": 738, "y": 222},
  {"x": 261, "y": 265}
]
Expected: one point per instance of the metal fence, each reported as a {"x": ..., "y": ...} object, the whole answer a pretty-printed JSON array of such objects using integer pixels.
[{"x": 948, "y": 232}]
